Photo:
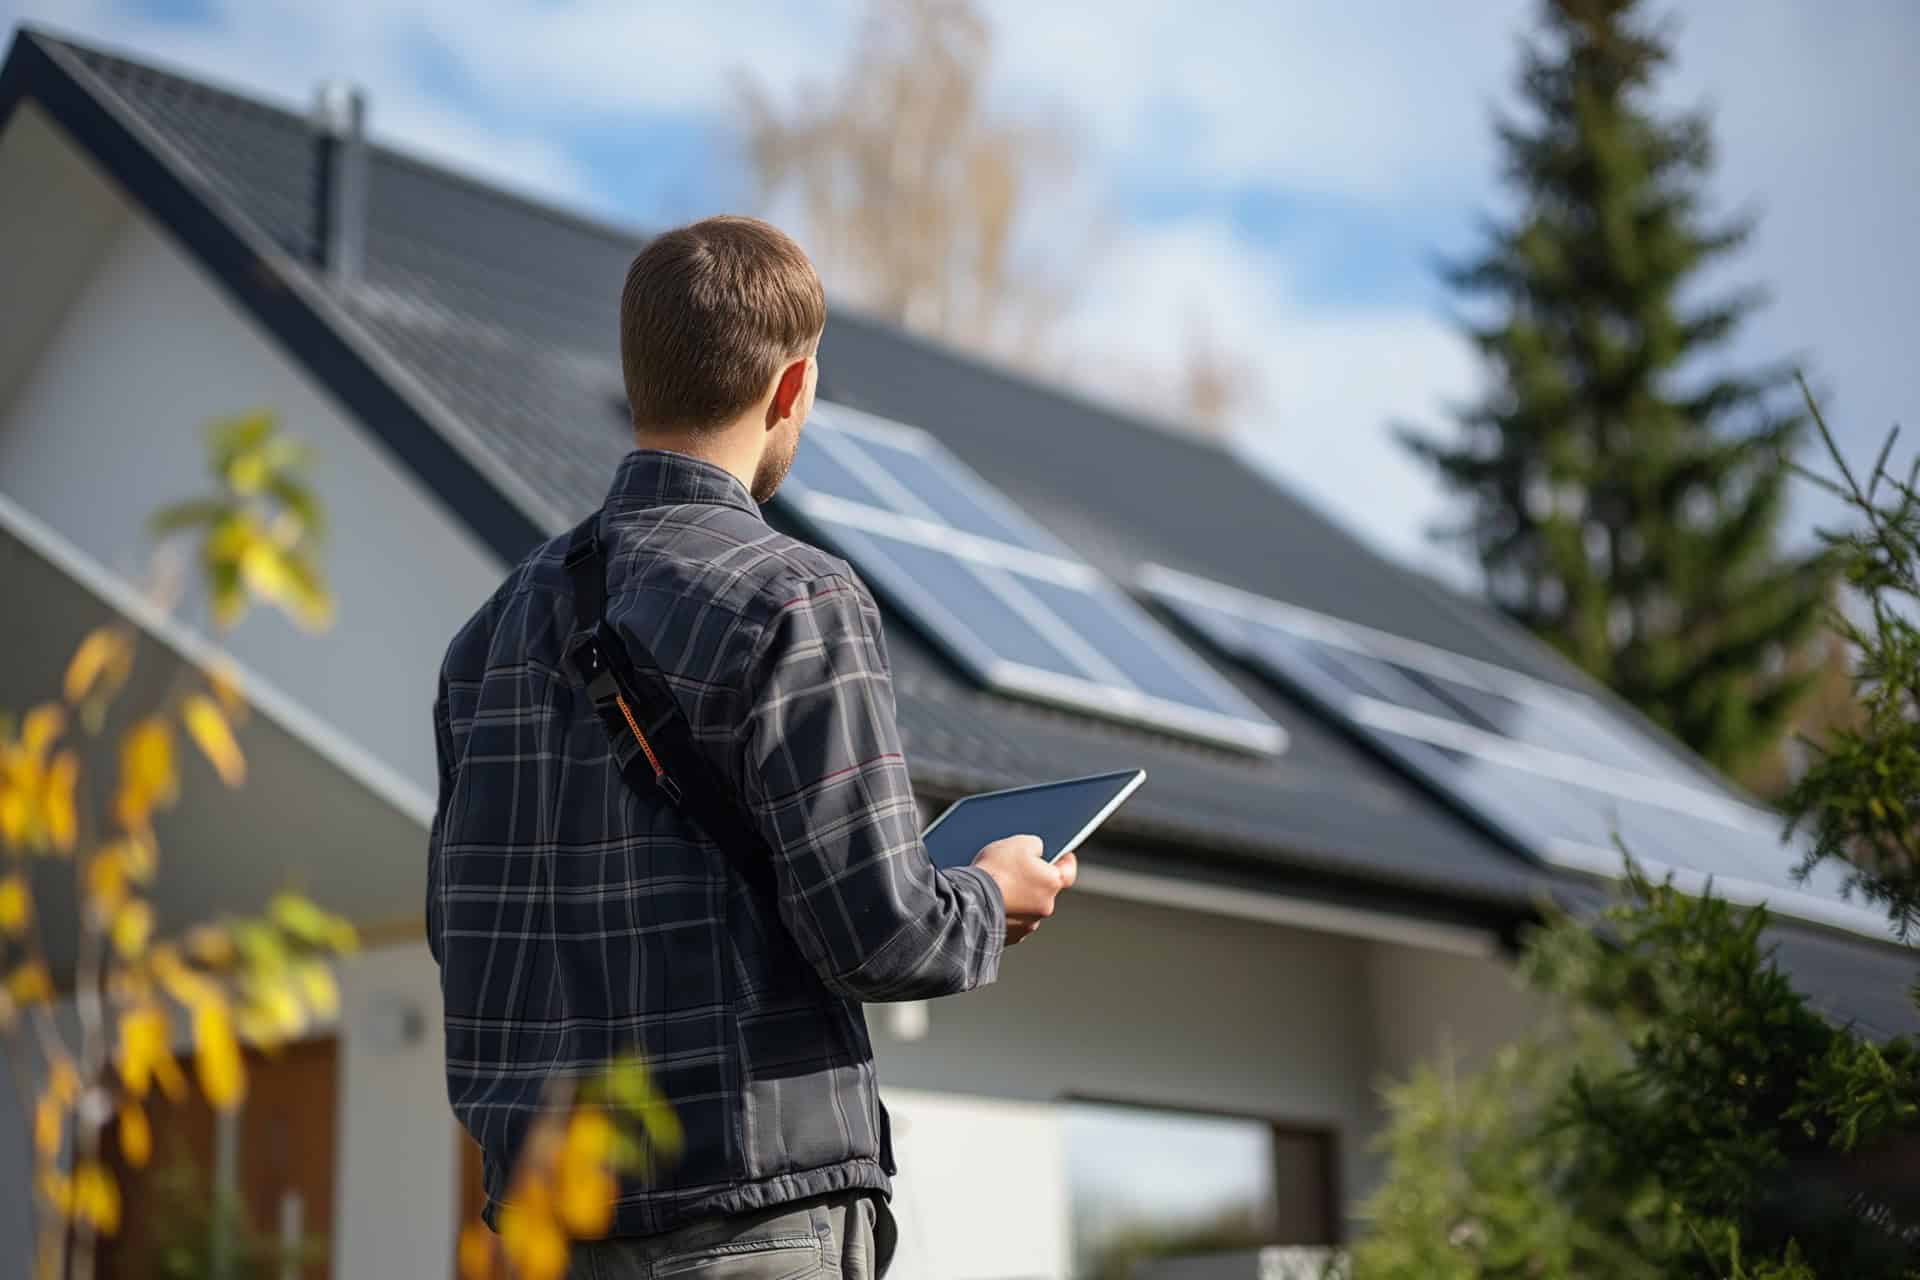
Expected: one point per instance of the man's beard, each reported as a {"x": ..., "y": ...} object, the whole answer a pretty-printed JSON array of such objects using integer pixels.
[{"x": 774, "y": 465}]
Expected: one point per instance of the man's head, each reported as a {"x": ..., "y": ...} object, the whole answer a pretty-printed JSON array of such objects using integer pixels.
[{"x": 719, "y": 325}]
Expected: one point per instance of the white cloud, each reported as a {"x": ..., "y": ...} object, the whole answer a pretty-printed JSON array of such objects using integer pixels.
[
  {"x": 1374, "y": 105},
  {"x": 281, "y": 50},
  {"x": 608, "y": 56},
  {"x": 1814, "y": 111},
  {"x": 1328, "y": 381},
  {"x": 1373, "y": 99}
]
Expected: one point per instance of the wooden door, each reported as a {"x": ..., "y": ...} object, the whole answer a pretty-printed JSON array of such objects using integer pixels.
[{"x": 278, "y": 1149}]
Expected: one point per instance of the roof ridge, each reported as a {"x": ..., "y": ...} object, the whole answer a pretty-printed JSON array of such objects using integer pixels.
[
  {"x": 627, "y": 235},
  {"x": 63, "y": 43},
  {"x": 285, "y": 110},
  {"x": 1159, "y": 426}
]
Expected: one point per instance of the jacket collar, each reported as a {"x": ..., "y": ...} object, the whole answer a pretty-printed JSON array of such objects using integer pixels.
[{"x": 659, "y": 478}]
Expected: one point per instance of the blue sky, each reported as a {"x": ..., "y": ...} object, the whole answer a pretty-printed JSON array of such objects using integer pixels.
[{"x": 1285, "y": 171}]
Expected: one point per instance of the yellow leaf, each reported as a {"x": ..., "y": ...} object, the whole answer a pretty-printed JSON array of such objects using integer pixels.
[
  {"x": 318, "y": 989},
  {"x": 148, "y": 779},
  {"x": 476, "y": 1251},
  {"x": 257, "y": 1027},
  {"x": 299, "y": 917},
  {"x": 49, "y": 1121},
  {"x": 132, "y": 926},
  {"x": 107, "y": 882},
  {"x": 107, "y": 652},
  {"x": 30, "y": 983},
  {"x": 249, "y": 472},
  {"x": 225, "y": 683},
  {"x": 182, "y": 983},
  {"x": 208, "y": 725},
  {"x": 211, "y": 945},
  {"x": 137, "y": 856},
  {"x": 63, "y": 1082},
  {"x": 16, "y": 905},
  {"x": 133, "y": 809},
  {"x": 586, "y": 1202},
  {"x": 589, "y": 1139},
  {"x": 263, "y": 567},
  {"x": 535, "y": 1245},
  {"x": 229, "y": 606},
  {"x": 41, "y": 728},
  {"x": 57, "y": 1190},
  {"x": 146, "y": 1053},
  {"x": 136, "y": 1135},
  {"x": 229, "y": 539},
  {"x": 223, "y": 1076},
  {"x": 280, "y": 1008},
  {"x": 312, "y": 604},
  {"x": 62, "y": 820},
  {"x": 96, "y": 1197},
  {"x": 16, "y": 812}
]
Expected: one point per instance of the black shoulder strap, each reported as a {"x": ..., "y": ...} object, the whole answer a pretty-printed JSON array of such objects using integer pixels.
[{"x": 652, "y": 741}]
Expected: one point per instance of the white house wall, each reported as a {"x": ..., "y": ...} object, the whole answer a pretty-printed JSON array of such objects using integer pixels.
[
  {"x": 63, "y": 213},
  {"x": 1122, "y": 1001},
  {"x": 107, "y": 426},
  {"x": 1426, "y": 1003},
  {"x": 982, "y": 1189},
  {"x": 396, "y": 1186},
  {"x": 1114, "y": 999},
  {"x": 1427, "y": 1006},
  {"x": 1111, "y": 1000}
]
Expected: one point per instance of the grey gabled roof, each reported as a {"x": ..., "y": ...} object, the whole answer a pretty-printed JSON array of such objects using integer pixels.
[
  {"x": 495, "y": 318},
  {"x": 480, "y": 344}
]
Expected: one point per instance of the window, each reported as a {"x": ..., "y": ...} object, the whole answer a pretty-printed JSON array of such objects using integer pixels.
[{"x": 1153, "y": 1182}]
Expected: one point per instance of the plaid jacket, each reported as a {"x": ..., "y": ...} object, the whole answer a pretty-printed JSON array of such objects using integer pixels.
[{"x": 575, "y": 919}]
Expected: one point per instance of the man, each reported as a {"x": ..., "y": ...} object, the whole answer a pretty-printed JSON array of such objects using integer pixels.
[{"x": 576, "y": 917}]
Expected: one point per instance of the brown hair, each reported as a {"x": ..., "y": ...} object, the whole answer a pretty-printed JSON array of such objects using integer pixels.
[{"x": 709, "y": 313}]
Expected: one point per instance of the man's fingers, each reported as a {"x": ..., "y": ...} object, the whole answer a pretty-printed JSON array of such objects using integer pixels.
[{"x": 1069, "y": 867}]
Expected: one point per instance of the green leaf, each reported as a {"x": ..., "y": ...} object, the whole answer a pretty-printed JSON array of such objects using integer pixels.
[
  {"x": 190, "y": 514},
  {"x": 229, "y": 437},
  {"x": 302, "y": 920}
]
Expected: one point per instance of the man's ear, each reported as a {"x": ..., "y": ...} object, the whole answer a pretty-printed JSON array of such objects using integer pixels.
[{"x": 787, "y": 391}]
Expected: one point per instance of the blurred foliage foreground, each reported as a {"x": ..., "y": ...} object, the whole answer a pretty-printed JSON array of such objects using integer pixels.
[
  {"x": 1681, "y": 1111},
  {"x": 83, "y": 780}
]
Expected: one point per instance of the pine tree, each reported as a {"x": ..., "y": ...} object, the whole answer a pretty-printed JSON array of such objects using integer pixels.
[
  {"x": 1624, "y": 495},
  {"x": 1679, "y": 1110}
]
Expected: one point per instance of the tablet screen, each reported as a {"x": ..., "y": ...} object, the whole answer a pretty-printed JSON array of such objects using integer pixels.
[{"x": 1062, "y": 814}]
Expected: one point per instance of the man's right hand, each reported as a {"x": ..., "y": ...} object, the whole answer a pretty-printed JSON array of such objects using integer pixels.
[{"x": 1028, "y": 882}]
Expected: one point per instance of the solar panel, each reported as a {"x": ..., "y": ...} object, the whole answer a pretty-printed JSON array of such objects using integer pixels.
[
  {"x": 1007, "y": 601},
  {"x": 1550, "y": 769}
]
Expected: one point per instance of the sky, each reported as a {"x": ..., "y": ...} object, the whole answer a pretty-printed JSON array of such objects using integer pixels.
[{"x": 1286, "y": 171}]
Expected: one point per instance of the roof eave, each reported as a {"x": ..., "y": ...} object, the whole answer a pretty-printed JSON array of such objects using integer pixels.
[{"x": 276, "y": 291}]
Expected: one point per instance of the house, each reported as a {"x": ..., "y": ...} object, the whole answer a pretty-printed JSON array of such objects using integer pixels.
[{"x": 1300, "y": 903}]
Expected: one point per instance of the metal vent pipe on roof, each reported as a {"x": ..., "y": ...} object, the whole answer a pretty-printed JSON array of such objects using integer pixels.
[{"x": 340, "y": 181}]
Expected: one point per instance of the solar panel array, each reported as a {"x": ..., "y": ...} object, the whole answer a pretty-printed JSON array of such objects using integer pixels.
[
  {"x": 1007, "y": 601},
  {"x": 1551, "y": 769}
]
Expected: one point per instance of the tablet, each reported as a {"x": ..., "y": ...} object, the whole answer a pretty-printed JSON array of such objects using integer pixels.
[{"x": 1062, "y": 814}]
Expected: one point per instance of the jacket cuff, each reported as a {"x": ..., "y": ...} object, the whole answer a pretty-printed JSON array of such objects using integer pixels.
[{"x": 995, "y": 943}]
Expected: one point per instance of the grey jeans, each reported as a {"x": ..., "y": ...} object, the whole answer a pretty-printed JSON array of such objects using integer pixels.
[{"x": 849, "y": 1236}]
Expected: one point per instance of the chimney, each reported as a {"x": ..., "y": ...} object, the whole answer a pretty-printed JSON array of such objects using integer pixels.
[{"x": 340, "y": 181}]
